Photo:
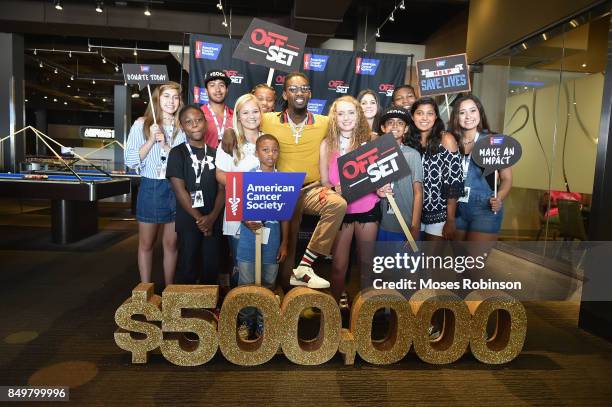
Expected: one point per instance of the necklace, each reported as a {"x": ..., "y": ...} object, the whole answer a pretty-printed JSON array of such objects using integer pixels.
[
  {"x": 297, "y": 129},
  {"x": 465, "y": 143}
]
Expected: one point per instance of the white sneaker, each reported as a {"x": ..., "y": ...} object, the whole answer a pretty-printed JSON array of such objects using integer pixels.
[{"x": 304, "y": 275}]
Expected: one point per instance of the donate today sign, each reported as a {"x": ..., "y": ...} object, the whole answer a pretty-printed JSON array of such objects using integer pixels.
[
  {"x": 443, "y": 75},
  {"x": 261, "y": 195}
]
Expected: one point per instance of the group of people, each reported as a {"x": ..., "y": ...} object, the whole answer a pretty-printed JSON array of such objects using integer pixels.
[{"x": 184, "y": 152}]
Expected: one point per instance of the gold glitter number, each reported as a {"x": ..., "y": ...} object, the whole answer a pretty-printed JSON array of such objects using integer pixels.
[
  {"x": 142, "y": 302},
  {"x": 454, "y": 339},
  {"x": 249, "y": 352},
  {"x": 184, "y": 311},
  {"x": 509, "y": 336},
  {"x": 397, "y": 342},
  {"x": 325, "y": 345}
]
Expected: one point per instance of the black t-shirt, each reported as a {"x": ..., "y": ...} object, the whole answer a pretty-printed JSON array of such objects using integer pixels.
[{"x": 180, "y": 166}]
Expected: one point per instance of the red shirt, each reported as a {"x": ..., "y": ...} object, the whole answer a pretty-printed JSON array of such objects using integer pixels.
[{"x": 214, "y": 130}]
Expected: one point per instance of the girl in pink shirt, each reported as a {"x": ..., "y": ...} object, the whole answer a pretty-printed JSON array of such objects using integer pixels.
[{"x": 348, "y": 129}]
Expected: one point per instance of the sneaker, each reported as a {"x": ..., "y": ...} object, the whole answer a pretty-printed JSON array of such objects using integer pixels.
[
  {"x": 305, "y": 276},
  {"x": 434, "y": 333},
  {"x": 244, "y": 331}
]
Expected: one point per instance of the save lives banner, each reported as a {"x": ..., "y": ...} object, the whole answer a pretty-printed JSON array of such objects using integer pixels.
[
  {"x": 371, "y": 166},
  {"x": 262, "y": 195},
  {"x": 443, "y": 75},
  {"x": 331, "y": 73}
]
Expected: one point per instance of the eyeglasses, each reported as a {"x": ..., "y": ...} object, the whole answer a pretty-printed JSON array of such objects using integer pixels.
[
  {"x": 294, "y": 89},
  {"x": 191, "y": 123}
]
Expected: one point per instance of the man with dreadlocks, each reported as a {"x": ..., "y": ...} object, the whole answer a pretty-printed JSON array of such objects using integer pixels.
[{"x": 300, "y": 133}]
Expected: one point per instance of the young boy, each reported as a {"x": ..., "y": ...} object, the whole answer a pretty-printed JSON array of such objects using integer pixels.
[
  {"x": 408, "y": 191},
  {"x": 272, "y": 252},
  {"x": 200, "y": 200}
]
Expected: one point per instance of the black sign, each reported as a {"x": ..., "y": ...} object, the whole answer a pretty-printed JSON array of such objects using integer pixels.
[
  {"x": 443, "y": 75},
  {"x": 495, "y": 152},
  {"x": 370, "y": 167},
  {"x": 272, "y": 45},
  {"x": 143, "y": 75}
]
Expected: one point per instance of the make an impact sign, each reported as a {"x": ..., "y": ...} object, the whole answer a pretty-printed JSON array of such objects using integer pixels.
[
  {"x": 261, "y": 195},
  {"x": 443, "y": 75}
]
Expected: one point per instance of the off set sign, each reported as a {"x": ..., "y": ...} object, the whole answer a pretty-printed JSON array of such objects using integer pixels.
[{"x": 272, "y": 46}]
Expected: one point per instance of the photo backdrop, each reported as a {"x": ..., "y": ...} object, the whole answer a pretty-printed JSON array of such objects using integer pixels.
[{"x": 331, "y": 73}]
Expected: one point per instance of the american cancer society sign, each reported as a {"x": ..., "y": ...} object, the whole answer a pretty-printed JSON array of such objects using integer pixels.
[{"x": 261, "y": 195}]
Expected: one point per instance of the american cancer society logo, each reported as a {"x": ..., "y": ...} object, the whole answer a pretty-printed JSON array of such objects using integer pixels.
[
  {"x": 145, "y": 68},
  {"x": 207, "y": 50},
  {"x": 316, "y": 106},
  {"x": 199, "y": 95},
  {"x": 313, "y": 62},
  {"x": 495, "y": 141},
  {"x": 364, "y": 66}
]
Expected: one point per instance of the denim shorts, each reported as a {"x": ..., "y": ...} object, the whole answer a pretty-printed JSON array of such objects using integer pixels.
[
  {"x": 156, "y": 201},
  {"x": 476, "y": 215}
]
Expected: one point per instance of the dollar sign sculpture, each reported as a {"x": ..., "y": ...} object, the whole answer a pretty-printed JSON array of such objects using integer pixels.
[{"x": 142, "y": 302}]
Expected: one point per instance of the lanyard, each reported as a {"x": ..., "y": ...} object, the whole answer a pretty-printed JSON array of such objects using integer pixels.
[
  {"x": 164, "y": 153},
  {"x": 465, "y": 162},
  {"x": 222, "y": 126},
  {"x": 197, "y": 164}
]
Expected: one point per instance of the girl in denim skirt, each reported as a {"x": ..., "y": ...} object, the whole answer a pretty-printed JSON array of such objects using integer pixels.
[{"x": 147, "y": 151}]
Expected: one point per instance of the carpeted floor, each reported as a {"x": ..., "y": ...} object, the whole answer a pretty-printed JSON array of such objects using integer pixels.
[{"x": 58, "y": 322}]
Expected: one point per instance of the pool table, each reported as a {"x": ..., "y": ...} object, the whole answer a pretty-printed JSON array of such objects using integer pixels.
[{"x": 74, "y": 202}]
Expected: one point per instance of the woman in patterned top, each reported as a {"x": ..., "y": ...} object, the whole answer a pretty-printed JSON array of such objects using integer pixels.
[{"x": 442, "y": 176}]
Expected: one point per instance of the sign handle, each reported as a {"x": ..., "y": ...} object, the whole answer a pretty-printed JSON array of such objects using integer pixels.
[
  {"x": 151, "y": 104},
  {"x": 258, "y": 240},
  {"x": 402, "y": 222},
  {"x": 270, "y": 75},
  {"x": 447, "y": 108},
  {"x": 495, "y": 187}
]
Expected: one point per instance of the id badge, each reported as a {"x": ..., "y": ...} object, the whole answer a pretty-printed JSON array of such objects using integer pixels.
[
  {"x": 466, "y": 195},
  {"x": 161, "y": 171},
  {"x": 197, "y": 199},
  {"x": 265, "y": 235}
]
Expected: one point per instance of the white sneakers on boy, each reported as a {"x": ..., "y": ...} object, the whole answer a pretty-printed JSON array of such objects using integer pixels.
[{"x": 305, "y": 276}]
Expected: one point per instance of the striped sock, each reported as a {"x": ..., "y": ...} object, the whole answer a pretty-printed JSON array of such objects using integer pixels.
[{"x": 308, "y": 258}]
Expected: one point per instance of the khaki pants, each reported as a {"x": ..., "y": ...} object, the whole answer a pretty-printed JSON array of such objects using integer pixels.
[{"x": 331, "y": 212}]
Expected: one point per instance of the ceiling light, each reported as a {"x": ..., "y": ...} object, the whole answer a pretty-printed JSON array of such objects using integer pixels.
[
  {"x": 224, "y": 23},
  {"x": 365, "y": 49},
  {"x": 68, "y": 85},
  {"x": 55, "y": 71},
  {"x": 524, "y": 45},
  {"x": 45, "y": 97},
  {"x": 584, "y": 65},
  {"x": 54, "y": 99},
  {"x": 544, "y": 36},
  {"x": 377, "y": 33},
  {"x": 58, "y": 5},
  {"x": 65, "y": 103},
  {"x": 135, "y": 52},
  {"x": 40, "y": 64},
  {"x": 89, "y": 48},
  {"x": 135, "y": 95},
  {"x": 116, "y": 68},
  {"x": 69, "y": 54},
  {"x": 103, "y": 60},
  {"x": 27, "y": 100},
  {"x": 34, "y": 51},
  {"x": 71, "y": 77},
  {"x": 574, "y": 23},
  {"x": 99, "y": 8},
  {"x": 147, "y": 11},
  {"x": 104, "y": 99},
  {"x": 219, "y": 5},
  {"x": 401, "y": 6},
  {"x": 93, "y": 81},
  {"x": 391, "y": 17}
]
